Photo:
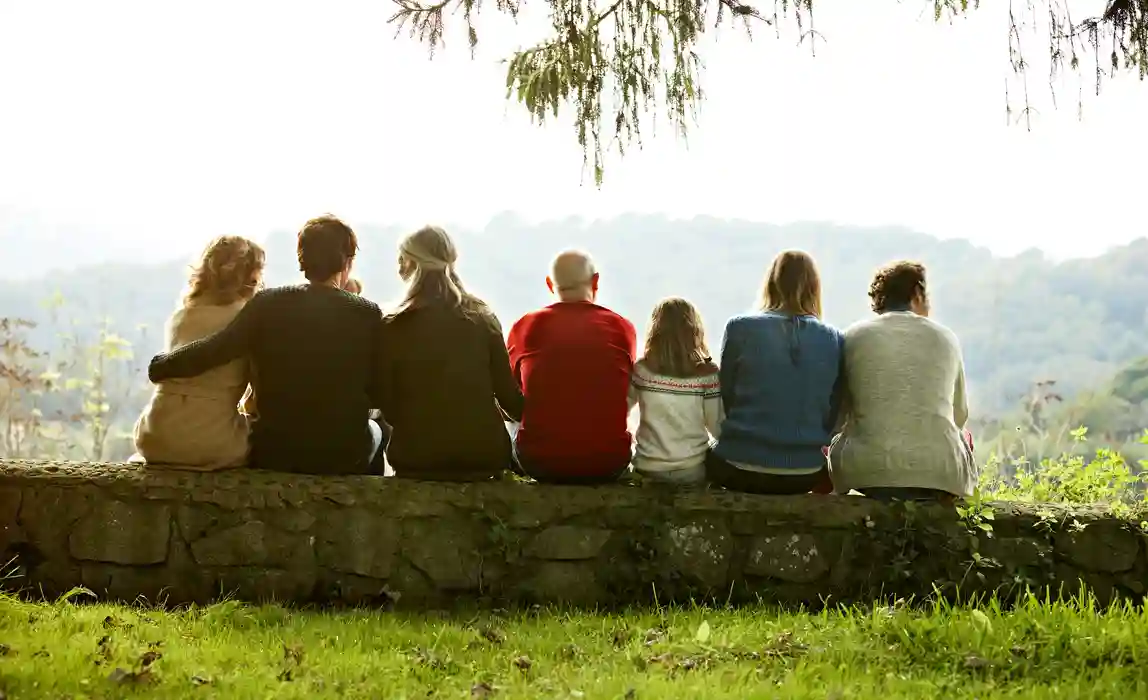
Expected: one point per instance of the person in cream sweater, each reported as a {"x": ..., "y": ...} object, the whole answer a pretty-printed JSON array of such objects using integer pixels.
[{"x": 197, "y": 423}]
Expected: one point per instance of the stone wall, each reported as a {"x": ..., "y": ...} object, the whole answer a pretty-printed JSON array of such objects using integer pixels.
[{"x": 126, "y": 532}]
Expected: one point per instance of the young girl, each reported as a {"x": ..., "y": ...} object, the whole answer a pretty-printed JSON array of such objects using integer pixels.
[
  {"x": 676, "y": 388},
  {"x": 194, "y": 422}
]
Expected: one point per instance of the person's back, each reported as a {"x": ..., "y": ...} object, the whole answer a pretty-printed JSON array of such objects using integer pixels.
[
  {"x": 447, "y": 372},
  {"x": 780, "y": 386},
  {"x": 194, "y": 422},
  {"x": 907, "y": 405},
  {"x": 778, "y": 375},
  {"x": 573, "y": 360},
  {"x": 676, "y": 389},
  {"x": 315, "y": 350}
]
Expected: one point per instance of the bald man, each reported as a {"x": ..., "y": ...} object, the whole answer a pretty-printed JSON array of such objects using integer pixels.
[{"x": 573, "y": 360}]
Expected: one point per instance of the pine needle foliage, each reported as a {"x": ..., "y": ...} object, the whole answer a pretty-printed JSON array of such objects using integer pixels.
[{"x": 620, "y": 63}]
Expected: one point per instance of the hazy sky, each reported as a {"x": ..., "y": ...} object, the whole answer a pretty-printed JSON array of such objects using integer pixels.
[{"x": 174, "y": 121}]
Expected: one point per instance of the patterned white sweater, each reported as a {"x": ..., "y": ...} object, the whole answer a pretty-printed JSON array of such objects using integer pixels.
[{"x": 678, "y": 419}]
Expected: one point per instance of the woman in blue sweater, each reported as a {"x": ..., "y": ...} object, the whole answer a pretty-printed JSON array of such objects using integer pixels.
[{"x": 781, "y": 379}]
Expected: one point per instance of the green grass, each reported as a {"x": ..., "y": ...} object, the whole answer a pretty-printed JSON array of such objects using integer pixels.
[{"x": 230, "y": 650}]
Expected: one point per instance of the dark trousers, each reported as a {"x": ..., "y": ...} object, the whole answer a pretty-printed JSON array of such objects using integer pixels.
[
  {"x": 726, "y": 475},
  {"x": 533, "y": 469}
]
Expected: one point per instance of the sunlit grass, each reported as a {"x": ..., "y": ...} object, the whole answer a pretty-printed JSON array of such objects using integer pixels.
[{"x": 230, "y": 650}]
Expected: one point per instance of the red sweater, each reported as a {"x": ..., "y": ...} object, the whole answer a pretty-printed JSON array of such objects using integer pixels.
[{"x": 573, "y": 361}]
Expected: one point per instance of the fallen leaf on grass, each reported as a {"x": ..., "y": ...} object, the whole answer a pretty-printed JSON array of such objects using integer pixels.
[
  {"x": 293, "y": 653},
  {"x": 621, "y": 637},
  {"x": 149, "y": 658},
  {"x": 482, "y": 690},
  {"x": 124, "y": 677},
  {"x": 200, "y": 680},
  {"x": 523, "y": 663}
]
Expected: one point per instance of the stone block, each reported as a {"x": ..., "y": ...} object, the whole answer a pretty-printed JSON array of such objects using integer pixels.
[
  {"x": 10, "y": 530},
  {"x": 263, "y": 585},
  {"x": 796, "y": 558},
  {"x": 1101, "y": 545},
  {"x": 568, "y": 542},
  {"x": 699, "y": 550},
  {"x": 194, "y": 521},
  {"x": 358, "y": 541},
  {"x": 446, "y": 550},
  {"x": 253, "y": 544},
  {"x": 563, "y": 582},
  {"x": 122, "y": 532},
  {"x": 47, "y": 515},
  {"x": 1016, "y": 551}
]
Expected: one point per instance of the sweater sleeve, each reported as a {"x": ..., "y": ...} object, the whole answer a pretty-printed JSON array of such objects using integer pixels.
[
  {"x": 218, "y": 349},
  {"x": 631, "y": 340},
  {"x": 385, "y": 385},
  {"x": 960, "y": 396},
  {"x": 838, "y": 408},
  {"x": 379, "y": 384},
  {"x": 506, "y": 388},
  {"x": 714, "y": 414},
  {"x": 728, "y": 371},
  {"x": 514, "y": 349}
]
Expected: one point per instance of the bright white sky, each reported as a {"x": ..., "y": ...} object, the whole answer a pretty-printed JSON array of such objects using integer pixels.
[{"x": 169, "y": 122}]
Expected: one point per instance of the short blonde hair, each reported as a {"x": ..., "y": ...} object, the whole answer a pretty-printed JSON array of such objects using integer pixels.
[
  {"x": 792, "y": 286},
  {"x": 229, "y": 270}
]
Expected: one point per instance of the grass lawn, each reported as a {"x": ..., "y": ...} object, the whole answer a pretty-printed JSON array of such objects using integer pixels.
[{"x": 234, "y": 651}]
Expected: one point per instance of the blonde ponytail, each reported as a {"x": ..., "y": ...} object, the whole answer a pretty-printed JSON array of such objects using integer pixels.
[{"x": 432, "y": 255}]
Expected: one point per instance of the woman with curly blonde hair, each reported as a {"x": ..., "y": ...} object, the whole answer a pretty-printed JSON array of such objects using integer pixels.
[{"x": 195, "y": 422}]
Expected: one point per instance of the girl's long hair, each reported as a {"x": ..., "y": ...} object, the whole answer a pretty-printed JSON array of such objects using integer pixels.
[
  {"x": 229, "y": 270},
  {"x": 676, "y": 342},
  {"x": 432, "y": 254},
  {"x": 792, "y": 286}
]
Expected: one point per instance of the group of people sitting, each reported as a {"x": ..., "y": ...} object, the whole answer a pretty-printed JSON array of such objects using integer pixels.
[{"x": 315, "y": 378}]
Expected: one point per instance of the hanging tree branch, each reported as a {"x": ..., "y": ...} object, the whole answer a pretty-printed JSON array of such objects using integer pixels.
[{"x": 615, "y": 61}]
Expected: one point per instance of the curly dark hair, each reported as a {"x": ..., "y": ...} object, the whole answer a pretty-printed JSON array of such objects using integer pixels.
[{"x": 895, "y": 285}]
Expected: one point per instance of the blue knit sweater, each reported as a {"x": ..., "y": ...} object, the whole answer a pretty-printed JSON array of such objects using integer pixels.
[{"x": 781, "y": 380}]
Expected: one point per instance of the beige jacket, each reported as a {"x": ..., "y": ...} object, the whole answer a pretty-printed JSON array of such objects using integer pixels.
[{"x": 194, "y": 423}]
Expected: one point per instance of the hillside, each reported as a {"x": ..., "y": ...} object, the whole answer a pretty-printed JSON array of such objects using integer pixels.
[{"x": 1020, "y": 319}]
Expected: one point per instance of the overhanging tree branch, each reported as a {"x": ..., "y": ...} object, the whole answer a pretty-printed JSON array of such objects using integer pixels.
[{"x": 615, "y": 65}]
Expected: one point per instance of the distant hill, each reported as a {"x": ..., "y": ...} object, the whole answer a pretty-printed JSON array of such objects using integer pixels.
[{"x": 1020, "y": 319}]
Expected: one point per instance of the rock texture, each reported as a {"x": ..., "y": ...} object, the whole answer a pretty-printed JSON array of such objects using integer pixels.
[{"x": 126, "y": 532}]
